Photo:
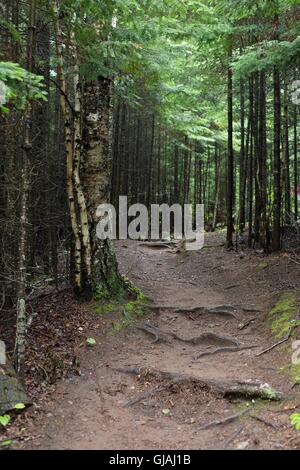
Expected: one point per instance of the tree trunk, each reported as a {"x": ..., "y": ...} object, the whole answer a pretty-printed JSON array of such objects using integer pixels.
[
  {"x": 295, "y": 164},
  {"x": 105, "y": 280},
  {"x": 242, "y": 160},
  {"x": 262, "y": 175},
  {"x": 250, "y": 182},
  {"x": 20, "y": 341},
  {"x": 69, "y": 143},
  {"x": 230, "y": 164},
  {"x": 286, "y": 158},
  {"x": 176, "y": 181},
  {"x": 276, "y": 241},
  {"x": 150, "y": 168},
  {"x": 217, "y": 189},
  {"x": 277, "y": 163},
  {"x": 86, "y": 269}
]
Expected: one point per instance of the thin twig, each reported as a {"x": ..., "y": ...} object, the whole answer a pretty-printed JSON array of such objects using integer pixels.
[
  {"x": 284, "y": 340},
  {"x": 233, "y": 436},
  {"x": 227, "y": 420}
]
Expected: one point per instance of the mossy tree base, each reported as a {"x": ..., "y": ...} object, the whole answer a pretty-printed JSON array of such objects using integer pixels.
[
  {"x": 129, "y": 304},
  {"x": 107, "y": 281}
]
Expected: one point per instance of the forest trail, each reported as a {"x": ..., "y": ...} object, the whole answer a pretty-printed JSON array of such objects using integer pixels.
[{"x": 107, "y": 408}]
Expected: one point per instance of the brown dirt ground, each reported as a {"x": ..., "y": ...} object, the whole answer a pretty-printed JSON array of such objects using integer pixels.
[{"x": 90, "y": 411}]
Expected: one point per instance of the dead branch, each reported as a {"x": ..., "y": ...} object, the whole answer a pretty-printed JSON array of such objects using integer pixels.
[
  {"x": 293, "y": 260},
  {"x": 284, "y": 340}
]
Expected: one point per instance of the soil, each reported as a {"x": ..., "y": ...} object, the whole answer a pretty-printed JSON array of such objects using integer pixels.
[{"x": 107, "y": 407}]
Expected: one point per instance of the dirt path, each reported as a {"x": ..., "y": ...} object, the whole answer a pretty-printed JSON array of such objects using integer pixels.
[{"x": 92, "y": 411}]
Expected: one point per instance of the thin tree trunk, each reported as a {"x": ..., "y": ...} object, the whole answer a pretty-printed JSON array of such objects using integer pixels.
[
  {"x": 295, "y": 164},
  {"x": 256, "y": 163},
  {"x": 242, "y": 160},
  {"x": 230, "y": 163},
  {"x": 176, "y": 182},
  {"x": 250, "y": 183},
  {"x": 277, "y": 162},
  {"x": 217, "y": 190},
  {"x": 150, "y": 169},
  {"x": 20, "y": 342},
  {"x": 86, "y": 270},
  {"x": 69, "y": 143},
  {"x": 262, "y": 176},
  {"x": 286, "y": 158}
]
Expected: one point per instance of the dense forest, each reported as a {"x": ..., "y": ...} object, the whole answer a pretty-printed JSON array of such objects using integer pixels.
[{"x": 189, "y": 102}]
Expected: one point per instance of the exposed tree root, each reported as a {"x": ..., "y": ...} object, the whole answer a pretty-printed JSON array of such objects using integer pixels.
[
  {"x": 146, "y": 395},
  {"x": 247, "y": 323},
  {"x": 159, "y": 335},
  {"x": 264, "y": 421},
  {"x": 249, "y": 309},
  {"x": 209, "y": 247},
  {"x": 224, "y": 310},
  {"x": 157, "y": 245},
  {"x": 295, "y": 384},
  {"x": 223, "y": 350},
  {"x": 227, "y": 420},
  {"x": 231, "y": 287},
  {"x": 229, "y": 390},
  {"x": 284, "y": 410},
  {"x": 205, "y": 338}
]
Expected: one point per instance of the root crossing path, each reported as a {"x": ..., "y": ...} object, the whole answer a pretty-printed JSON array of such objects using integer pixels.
[{"x": 188, "y": 374}]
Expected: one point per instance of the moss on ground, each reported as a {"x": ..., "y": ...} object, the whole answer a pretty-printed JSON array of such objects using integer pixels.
[
  {"x": 262, "y": 265},
  {"x": 282, "y": 318},
  {"x": 282, "y": 315},
  {"x": 292, "y": 371},
  {"x": 130, "y": 311},
  {"x": 126, "y": 307},
  {"x": 105, "y": 308}
]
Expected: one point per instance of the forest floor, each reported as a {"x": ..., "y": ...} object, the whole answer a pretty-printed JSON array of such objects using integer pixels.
[{"x": 122, "y": 400}]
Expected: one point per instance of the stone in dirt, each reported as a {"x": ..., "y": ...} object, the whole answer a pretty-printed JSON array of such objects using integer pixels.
[{"x": 11, "y": 390}]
